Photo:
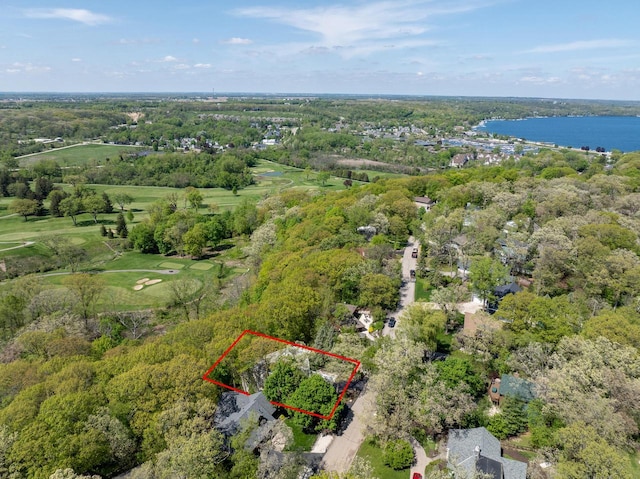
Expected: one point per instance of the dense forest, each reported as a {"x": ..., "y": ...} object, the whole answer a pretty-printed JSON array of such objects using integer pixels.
[{"x": 87, "y": 393}]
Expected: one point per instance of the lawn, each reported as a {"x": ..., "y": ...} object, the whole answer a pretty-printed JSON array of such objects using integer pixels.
[
  {"x": 372, "y": 453},
  {"x": 634, "y": 460},
  {"x": 93, "y": 153},
  {"x": 301, "y": 440},
  {"x": 423, "y": 290}
]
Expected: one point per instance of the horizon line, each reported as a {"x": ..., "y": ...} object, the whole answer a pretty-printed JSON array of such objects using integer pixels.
[{"x": 219, "y": 94}]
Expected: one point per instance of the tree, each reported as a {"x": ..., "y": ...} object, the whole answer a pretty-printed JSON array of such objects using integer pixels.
[
  {"x": 94, "y": 204},
  {"x": 195, "y": 240},
  {"x": 42, "y": 188},
  {"x": 485, "y": 275},
  {"x": 121, "y": 226},
  {"x": 283, "y": 380},
  {"x": 122, "y": 200},
  {"x": 448, "y": 298},
  {"x": 55, "y": 197},
  {"x": 323, "y": 177},
  {"x": 422, "y": 323},
  {"x": 584, "y": 453},
  {"x": 108, "y": 205},
  {"x": 194, "y": 197},
  {"x": 24, "y": 207},
  {"x": 88, "y": 288},
  {"x": 398, "y": 454},
  {"x": 456, "y": 370},
  {"x": 142, "y": 238},
  {"x": 315, "y": 395},
  {"x": 71, "y": 207},
  {"x": 378, "y": 290}
]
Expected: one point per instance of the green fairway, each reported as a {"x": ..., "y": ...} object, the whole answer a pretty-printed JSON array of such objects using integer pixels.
[
  {"x": 23, "y": 239},
  {"x": 92, "y": 154}
]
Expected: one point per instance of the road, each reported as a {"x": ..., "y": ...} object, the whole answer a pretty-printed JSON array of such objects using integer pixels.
[
  {"x": 343, "y": 448},
  {"x": 408, "y": 289}
]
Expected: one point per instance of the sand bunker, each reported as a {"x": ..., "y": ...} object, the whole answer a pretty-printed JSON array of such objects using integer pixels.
[
  {"x": 138, "y": 287},
  {"x": 143, "y": 280},
  {"x": 153, "y": 281}
]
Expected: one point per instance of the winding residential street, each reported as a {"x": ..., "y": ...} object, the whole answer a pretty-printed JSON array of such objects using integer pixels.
[{"x": 343, "y": 448}]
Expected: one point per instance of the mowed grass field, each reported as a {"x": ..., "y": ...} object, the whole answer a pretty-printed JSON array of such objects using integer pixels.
[
  {"x": 81, "y": 154},
  {"x": 30, "y": 236}
]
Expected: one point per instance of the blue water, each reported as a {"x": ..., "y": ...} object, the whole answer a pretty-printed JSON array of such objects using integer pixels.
[{"x": 609, "y": 132}]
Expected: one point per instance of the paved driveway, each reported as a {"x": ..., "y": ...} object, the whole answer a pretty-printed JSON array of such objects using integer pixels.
[
  {"x": 343, "y": 448},
  {"x": 408, "y": 289}
]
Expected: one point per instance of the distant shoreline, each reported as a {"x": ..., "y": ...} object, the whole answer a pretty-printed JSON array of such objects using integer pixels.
[{"x": 610, "y": 132}]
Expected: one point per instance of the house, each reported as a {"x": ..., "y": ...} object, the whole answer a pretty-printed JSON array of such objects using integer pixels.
[
  {"x": 471, "y": 450},
  {"x": 511, "y": 386},
  {"x": 424, "y": 202},
  {"x": 235, "y": 408},
  {"x": 459, "y": 160},
  {"x": 500, "y": 292}
]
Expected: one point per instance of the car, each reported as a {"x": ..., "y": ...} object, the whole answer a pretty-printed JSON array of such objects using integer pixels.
[
  {"x": 392, "y": 322},
  {"x": 414, "y": 253},
  {"x": 416, "y": 475}
]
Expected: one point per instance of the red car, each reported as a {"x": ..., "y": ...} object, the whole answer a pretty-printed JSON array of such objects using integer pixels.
[{"x": 417, "y": 475}]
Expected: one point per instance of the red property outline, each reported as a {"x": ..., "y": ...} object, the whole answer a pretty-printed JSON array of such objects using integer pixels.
[{"x": 326, "y": 353}]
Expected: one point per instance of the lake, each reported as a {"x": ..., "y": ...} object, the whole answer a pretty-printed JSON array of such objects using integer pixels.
[{"x": 609, "y": 132}]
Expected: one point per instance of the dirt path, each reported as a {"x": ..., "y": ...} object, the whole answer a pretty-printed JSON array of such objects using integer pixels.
[
  {"x": 343, "y": 448},
  {"x": 26, "y": 243}
]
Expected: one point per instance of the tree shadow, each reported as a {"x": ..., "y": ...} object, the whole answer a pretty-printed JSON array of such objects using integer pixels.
[{"x": 93, "y": 223}]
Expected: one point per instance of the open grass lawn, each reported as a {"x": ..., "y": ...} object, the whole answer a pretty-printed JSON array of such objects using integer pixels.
[
  {"x": 373, "y": 454},
  {"x": 93, "y": 153},
  {"x": 423, "y": 290},
  {"x": 301, "y": 440},
  {"x": 634, "y": 460}
]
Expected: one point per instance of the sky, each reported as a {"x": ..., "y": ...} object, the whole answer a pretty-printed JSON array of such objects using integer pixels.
[{"x": 524, "y": 48}]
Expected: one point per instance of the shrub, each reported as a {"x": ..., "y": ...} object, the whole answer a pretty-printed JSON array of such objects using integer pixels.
[{"x": 398, "y": 454}]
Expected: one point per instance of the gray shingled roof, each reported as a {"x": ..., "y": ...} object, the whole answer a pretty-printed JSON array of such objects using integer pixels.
[
  {"x": 461, "y": 449},
  {"x": 234, "y": 407},
  {"x": 522, "y": 389}
]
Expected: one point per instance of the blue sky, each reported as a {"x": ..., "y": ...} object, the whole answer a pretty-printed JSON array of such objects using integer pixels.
[{"x": 533, "y": 48}]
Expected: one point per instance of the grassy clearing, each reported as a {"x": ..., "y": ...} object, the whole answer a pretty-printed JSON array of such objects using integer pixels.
[
  {"x": 301, "y": 440},
  {"x": 423, "y": 290},
  {"x": 372, "y": 453},
  {"x": 634, "y": 463},
  {"x": 92, "y": 154}
]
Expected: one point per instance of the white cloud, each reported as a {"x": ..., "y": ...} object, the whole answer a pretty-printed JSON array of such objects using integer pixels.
[
  {"x": 76, "y": 14},
  {"x": 536, "y": 80},
  {"x": 169, "y": 59},
  {"x": 365, "y": 27},
  {"x": 202, "y": 65},
  {"x": 237, "y": 41},
  {"x": 18, "y": 67},
  {"x": 76, "y": 60},
  {"x": 196, "y": 40},
  {"x": 580, "y": 45}
]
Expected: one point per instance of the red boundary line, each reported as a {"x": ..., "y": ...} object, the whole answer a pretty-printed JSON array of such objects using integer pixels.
[{"x": 291, "y": 343}]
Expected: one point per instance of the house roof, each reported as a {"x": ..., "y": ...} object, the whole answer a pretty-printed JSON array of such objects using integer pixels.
[
  {"x": 423, "y": 199},
  {"x": 506, "y": 289},
  {"x": 516, "y": 387},
  {"x": 477, "y": 449},
  {"x": 234, "y": 407}
]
